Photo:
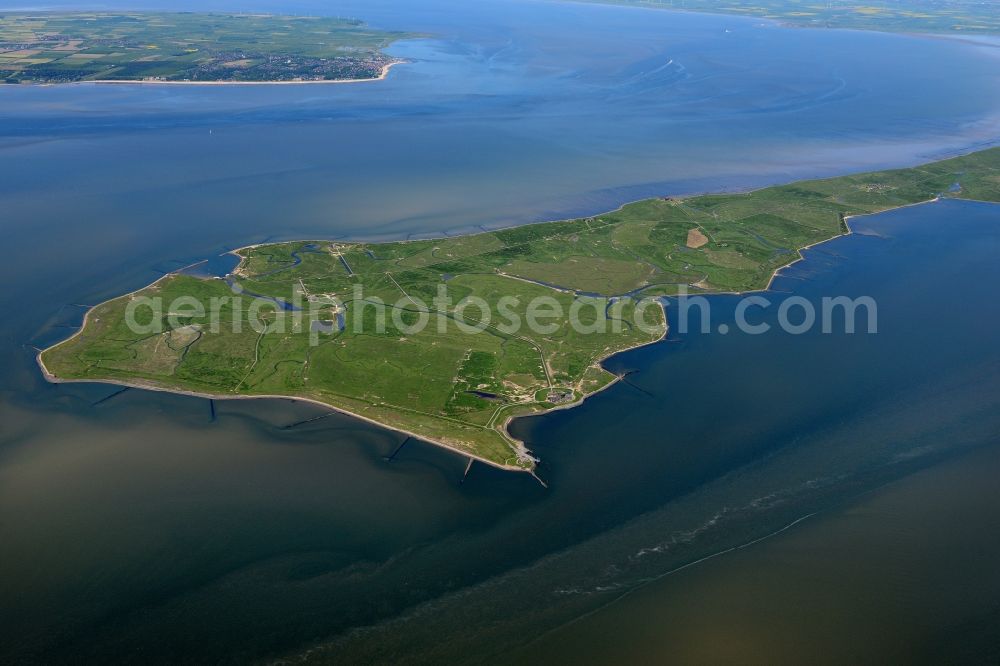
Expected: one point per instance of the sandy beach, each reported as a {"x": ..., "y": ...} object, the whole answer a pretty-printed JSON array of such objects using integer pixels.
[{"x": 382, "y": 75}]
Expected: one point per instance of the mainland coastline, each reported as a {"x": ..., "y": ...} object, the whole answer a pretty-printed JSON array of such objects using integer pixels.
[{"x": 381, "y": 77}]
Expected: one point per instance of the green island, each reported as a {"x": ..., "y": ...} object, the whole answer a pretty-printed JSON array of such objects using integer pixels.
[
  {"x": 932, "y": 16},
  {"x": 444, "y": 383},
  {"x": 58, "y": 47}
]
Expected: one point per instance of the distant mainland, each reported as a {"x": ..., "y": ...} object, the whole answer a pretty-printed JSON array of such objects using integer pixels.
[{"x": 189, "y": 48}]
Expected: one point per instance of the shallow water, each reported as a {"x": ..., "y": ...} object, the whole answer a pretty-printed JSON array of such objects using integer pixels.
[
  {"x": 163, "y": 526},
  {"x": 730, "y": 438},
  {"x": 873, "y": 583}
]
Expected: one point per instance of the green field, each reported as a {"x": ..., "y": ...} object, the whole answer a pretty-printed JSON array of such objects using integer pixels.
[
  {"x": 443, "y": 382},
  {"x": 49, "y": 47},
  {"x": 936, "y": 16}
]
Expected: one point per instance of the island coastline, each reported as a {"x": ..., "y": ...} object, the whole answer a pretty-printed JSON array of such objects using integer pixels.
[{"x": 519, "y": 447}]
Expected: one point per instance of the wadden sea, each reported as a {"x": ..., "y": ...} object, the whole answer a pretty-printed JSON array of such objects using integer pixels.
[{"x": 161, "y": 528}]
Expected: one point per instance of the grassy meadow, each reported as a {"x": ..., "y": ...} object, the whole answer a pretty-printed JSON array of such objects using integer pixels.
[{"x": 444, "y": 382}]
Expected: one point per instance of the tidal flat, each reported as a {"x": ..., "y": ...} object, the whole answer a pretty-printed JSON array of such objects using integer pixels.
[{"x": 161, "y": 525}]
